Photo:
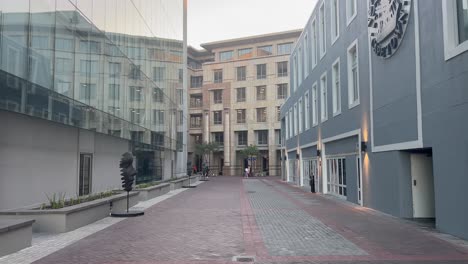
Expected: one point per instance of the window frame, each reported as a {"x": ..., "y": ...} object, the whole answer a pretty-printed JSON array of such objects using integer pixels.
[
  {"x": 351, "y": 102},
  {"x": 314, "y": 40},
  {"x": 452, "y": 45},
  {"x": 257, "y": 93},
  {"x": 263, "y": 117},
  {"x": 217, "y": 114},
  {"x": 243, "y": 73},
  {"x": 243, "y": 113},
  {"x": 263, "y": 71},
  {"x": 322, "y": 31},
  {"x": 306, "y": 55},
  {"x": 323, "y": 97},
  {"x": 306, "y": 111},
  {"x": 350, "y": 17},
  {"x": 335, "y": 20},
  {"x": 336, "y": 91},
  {"x": 215, "y": 73},
  {"x": 282, "y": 73},
  {"x": 284, "y": 90},
  {"x": 300, "y": 112},
  {"x": 215, "y": 99},
  {"x": 237, "y": 94}
]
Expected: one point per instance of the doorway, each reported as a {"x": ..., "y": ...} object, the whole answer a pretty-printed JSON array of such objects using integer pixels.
[
  {"x": 422, "y": 181},
  {"x": 85, "y": 176}
]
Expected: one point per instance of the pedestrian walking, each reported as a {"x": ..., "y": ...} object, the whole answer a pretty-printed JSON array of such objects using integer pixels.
[{"x": 246, "y": 173}]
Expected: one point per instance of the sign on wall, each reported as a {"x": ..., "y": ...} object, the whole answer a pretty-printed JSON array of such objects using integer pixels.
[{"x": 387, "y": 22}]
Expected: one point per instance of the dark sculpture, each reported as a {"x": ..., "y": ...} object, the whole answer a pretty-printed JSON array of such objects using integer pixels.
[{"x": 127, "y": 171}]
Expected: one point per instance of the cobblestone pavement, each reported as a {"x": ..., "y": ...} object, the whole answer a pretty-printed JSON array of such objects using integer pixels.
[{"x": 263, "y": 218}]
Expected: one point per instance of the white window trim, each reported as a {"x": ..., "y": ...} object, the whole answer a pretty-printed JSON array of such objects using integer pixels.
[
  {"x": 323, "y": 50},
  {"x": 291, "y": 123},
  {"x": 336, "y": 109},
  {"x": 314, "y": 38},
  {"x": 306, "y": 111},
  {"x": 299, "y": 63},
  {"x": 295, "y": 65},
  {"x": 323, "y": 107},
  {"x": 335, "y": 20},
  {"x": 352, "y": 104},
  {"x": 300, "y": 112},
  {"x": 306, "y": 55},
  {"x": 353, "y": 16},
  {"x": 450, "y": 26},
  {"x": 315, "y": 108},
  {"x": 286, "y": 126},
  {"x": 295, "y": 119}
]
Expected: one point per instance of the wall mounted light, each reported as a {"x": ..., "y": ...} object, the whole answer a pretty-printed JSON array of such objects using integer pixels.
[
  {"x": 297, "y": 156},
  {"x": 363, "y": 146},
  {"x": 319, "y": 153}
]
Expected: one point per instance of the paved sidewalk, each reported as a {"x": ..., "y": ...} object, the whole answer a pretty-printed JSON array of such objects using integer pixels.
[{"x": 263, "y": 218}]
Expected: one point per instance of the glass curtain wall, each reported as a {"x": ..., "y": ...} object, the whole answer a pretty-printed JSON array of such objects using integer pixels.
[{"x": 90, "y": 64}]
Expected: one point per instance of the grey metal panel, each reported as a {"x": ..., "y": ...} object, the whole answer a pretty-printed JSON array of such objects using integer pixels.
[
  {"x": 310, "y": 152},
  {"x": 394, "y": 92},
  {"x": 351, "y": 179},
  {"x": 342, "y": 146}
]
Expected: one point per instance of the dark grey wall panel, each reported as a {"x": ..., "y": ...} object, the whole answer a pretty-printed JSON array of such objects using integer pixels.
[
  {"x": 310, "y": 152},
  {"x": 342, "y": 146}
]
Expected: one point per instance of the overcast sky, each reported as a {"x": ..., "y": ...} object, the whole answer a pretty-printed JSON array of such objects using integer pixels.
[{"x": 214, "y": 20}]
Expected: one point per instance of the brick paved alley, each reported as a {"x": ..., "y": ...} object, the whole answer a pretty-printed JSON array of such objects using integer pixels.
[{"x": 264, "y": 218}]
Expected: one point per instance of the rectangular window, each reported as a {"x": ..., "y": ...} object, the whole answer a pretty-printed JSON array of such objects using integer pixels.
[
  {"x": 282, "y": 91},
  {"x": 323, "y": 98},
  {"x": 295, "y": 72},
  {"x": 301, "y": 114},
  {"x": 88, "y": 67},
  {"x": 282, "y": 68},
  {"x": 314, "y": 44},
  {"x": 64, "y": 44},
  {"x": 299, "y": 69},
  {"x": 180, "y": 117},
  {"x": 158, "y": 95},
  {"x": 180, "y": 96},
  {"x": 306, "y": 56},
  {"x": 136, "y": 94},
  {"x": 353, "y": 75},
  {"x": 241, "y": 116},
  {"x": 90, "y": 46},
  {"x": 336, "y": 90},
  {"x": 351, "y": 10},
  {"x": 335, "y": 20},
  {"x": 261, "y": 114},
  {"x": 218, "y": 96},
  {"x": 137, "y": 115},
  {"x": 135, "y": 72},
  {"x": 285, "y": 48},
  {"x": 114, "y": 91},
  {"x": 196, "y": 100},
  {"x": 158, "y": 117},
  {"x": 39, "y": 42},
  {"x": 265, "y": 50},
  {"x": 63, "y": 66},
  {"x": 296, "y": 120},
  {"x": 314, "y": 104},
  {"x": 86, "y": 165},
  {"x": 218, "y": 76},
  {"x": 336, "y": 180},
  {"x": 262, "y": 137},
  {"x": 63, "y": 87},
  {"x": 322, "y": 31},
  {"x": 226, "y": 55},
  {"x": 278, "y": 137},
  {"x": 196, "y": 81},
  {"x": 242, "y": 138},
  {"x": 261, "y": 93},
  {"x": 181, "y": 75},
  {"x": 245, "y": 53},
  {"x": 114, "y": 69},
  {"x": 241, "y": 73},
  {"x": 278, "y": 113},
  {"x": 261, "y": 71},
  {"x": 240, "y": 94},
  {"x": 135, "y": 52},
  {"x": 306, "y": 110},
  {"x": 455, "y": 21},
  {"x": 196, "y": 121},
  {"x": 217, "y": 117},
  {"x": 114, "y": 110},
  {"x": 87, "y": 91},
  {"x": 218, "y": 137},
  {"x": 286, "y": 124},
  {"x": 291, "y": 124},
  {"x": 159, "y": 74}
]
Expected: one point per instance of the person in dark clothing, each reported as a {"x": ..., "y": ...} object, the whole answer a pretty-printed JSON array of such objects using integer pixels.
[{"x": 312, "y": 182}]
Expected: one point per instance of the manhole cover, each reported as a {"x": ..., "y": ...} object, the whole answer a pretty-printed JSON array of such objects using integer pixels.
[{"x": 243, "y": 259}]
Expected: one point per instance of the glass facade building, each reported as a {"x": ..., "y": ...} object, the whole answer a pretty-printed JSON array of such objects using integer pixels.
[{"x": 114, "y": 67}]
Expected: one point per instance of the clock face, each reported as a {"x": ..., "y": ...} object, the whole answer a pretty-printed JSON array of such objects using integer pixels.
[{"x": 387, "y": 23}]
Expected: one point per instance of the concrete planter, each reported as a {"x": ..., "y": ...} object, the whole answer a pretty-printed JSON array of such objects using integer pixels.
[
  {"x": 15, "y": 235},
  {"x": 72, "y": 217},
  {"x": 153, "y": 191},
  {"x": 177, "y": 184}
]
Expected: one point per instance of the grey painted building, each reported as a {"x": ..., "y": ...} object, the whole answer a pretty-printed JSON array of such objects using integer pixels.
[
  {"x": 377, "y": 107},
  {"x": 82, "y": 82}
]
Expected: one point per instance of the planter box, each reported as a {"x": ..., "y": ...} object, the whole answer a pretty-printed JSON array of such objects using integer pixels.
[
  {"x": 72, "y": 217},
  {"x": 177, "y": 184},
  {"x": 14, "y": 235},
  {"x": 153, "y": 191}
]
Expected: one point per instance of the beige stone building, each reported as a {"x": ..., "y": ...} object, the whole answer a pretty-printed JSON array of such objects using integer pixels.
[{"x": 235, "y": 92}]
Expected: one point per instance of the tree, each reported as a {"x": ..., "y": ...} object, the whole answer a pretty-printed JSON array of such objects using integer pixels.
[
  {"x": 205, "y": 149},
  {"x": 250, "y": 152}
]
